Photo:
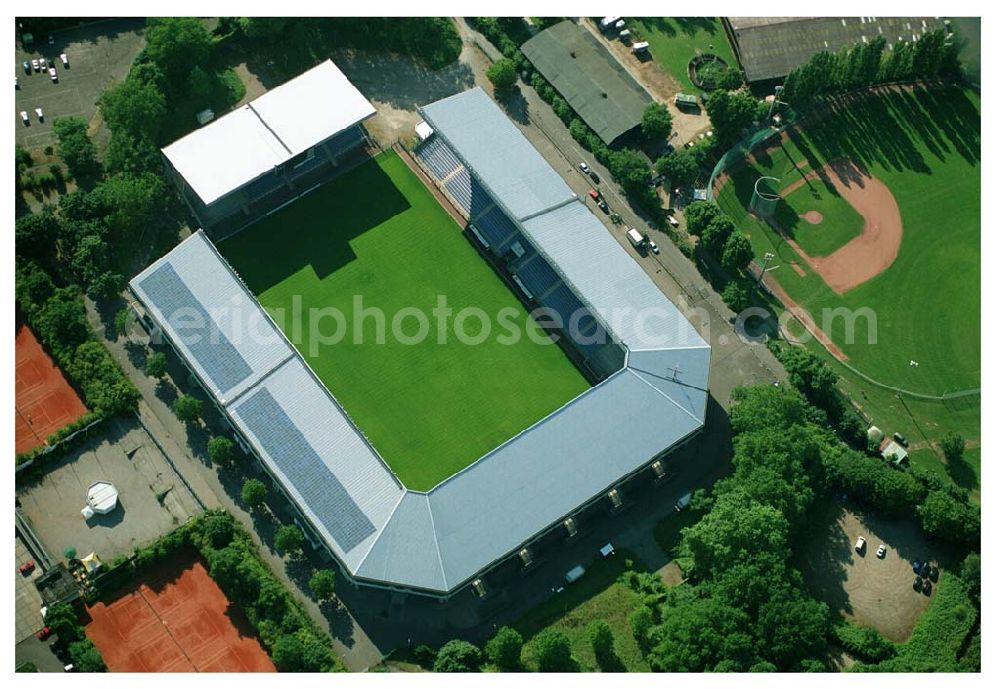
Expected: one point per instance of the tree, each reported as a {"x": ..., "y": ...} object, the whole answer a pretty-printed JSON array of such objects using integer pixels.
[
  {"x": 656, "y": 121},
  {"x": 717, "y": 233},
  {"x": 75, "y": 147},
  {"x": 602, "y": 640},
  {"x": 289, "y": 539},
  {"x": 731, "y": 113},
  {"x": 62, "y": 322},
  {"x": 131, "y": 153},
  {"x": 217, "y": 530},
  {"x": 953, "y": 446},
  {"x": 944, "y": 517},
  {"x": 698, "y": 216},
  {"x": 553, "y": 651},
  {"x": 680, "y": 167},
  {"x": 288, "y": 654},
  {"x": 35, "y": 233},
  {"x": 129, "y": 203},
  {"x": 631, "y": 170},
  {"x": 86, "y": 657},
  {"x": 641, "y": 621},
  {"x": 253, "y": 493},
  {"x": 176, "y": 45},
  {"x": 738, "y": 252},
  {"x": 503, "y": 75},
  {"x": 32, "y": 286},
  {"x": 895, "y": 492},
  {"x": 187, "y": 408},
  {"x": 62, "y": 620},
  {"x": 323, "y": 584},
  {"x": 458, "y": 656},
  {"x": 504, "y": 649},
  {"x": 971, "y": 575},
  {"x": 221, "y": 450},
  {"x": 737, "y": 296},
  {"x": 134, "y": 106},
  {"x": 156, "y": 365},
  {"x": 123, "y": 321},
  {"x": 698, "y": 633}
]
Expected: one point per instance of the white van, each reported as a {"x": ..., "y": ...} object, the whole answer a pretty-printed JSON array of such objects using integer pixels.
[{"x": 636, "y": 239}]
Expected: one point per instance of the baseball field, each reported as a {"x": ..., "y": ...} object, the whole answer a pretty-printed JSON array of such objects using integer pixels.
[
  {"x": 430, "y": 407},
  {"x": 880, "y": 214}
]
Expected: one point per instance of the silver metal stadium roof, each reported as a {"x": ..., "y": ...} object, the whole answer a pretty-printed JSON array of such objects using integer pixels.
[
  {"x": 439, "y": 540},
  {"x": 268, "y": 131}
]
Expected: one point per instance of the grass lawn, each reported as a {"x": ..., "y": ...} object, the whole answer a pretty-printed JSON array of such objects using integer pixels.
[
  {"x": 673, "y": 41},
  {"x": 924, "y": 145},
  {"x": 840, "y": 223},
  {"x": 597, "y": 596},
  {"x": 430, "y": 409}
]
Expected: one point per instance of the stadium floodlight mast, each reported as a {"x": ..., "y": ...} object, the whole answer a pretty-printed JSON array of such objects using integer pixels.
[
  {"x": 767, "y": 259},
  {"x": 777, "y": 90}
]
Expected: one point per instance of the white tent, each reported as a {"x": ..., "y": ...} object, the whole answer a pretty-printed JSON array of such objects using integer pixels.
[{"x": 102, "y": 497}]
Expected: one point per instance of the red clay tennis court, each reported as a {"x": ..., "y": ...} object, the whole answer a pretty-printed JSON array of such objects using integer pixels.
[
  {"x": 178, "y": 620},
  {"x": 43, "y": 401}
]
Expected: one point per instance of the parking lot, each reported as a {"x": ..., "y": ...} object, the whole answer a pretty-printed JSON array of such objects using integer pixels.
[
  {"x": 871, "y": 591},
  {"x": 152, "y": 499},
  {"x": 99, "y": 54}
]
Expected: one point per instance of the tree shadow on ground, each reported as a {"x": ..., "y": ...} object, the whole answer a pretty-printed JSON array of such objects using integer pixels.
[
  {"x": 609, "y": 662},
  {"x": 515, "y": 105},
  {"x": 962, "y": 473}
]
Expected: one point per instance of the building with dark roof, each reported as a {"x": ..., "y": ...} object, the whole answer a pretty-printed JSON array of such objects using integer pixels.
[
  {"x": 586, "y": 74},
  {"x": 771, "y": 47},
  {"x": 269, "y": 151},
  {"x": 650, "y": 371}
]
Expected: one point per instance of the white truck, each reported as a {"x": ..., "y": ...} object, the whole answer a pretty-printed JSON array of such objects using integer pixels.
[
  {"x": 636, "y": 239},
  {"x": 683, "y": 503}
]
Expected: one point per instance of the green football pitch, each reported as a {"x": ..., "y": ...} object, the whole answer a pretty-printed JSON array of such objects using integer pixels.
[
  {"x": 376, "y": 233},
  {"x": 924, "y": 144}
]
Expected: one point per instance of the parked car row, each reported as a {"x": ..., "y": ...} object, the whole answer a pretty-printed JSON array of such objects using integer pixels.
[{"x": 27, "y": 120}]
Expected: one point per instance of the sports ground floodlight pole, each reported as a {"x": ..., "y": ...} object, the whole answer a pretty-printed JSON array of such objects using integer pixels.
[{"x": 767, "y": 259}]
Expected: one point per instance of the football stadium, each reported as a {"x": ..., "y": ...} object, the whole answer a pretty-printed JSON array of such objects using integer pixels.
[{"x": 421, "y": 464}]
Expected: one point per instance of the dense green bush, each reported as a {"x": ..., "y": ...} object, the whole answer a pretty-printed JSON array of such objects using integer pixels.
[
  {"x": 864, "y": 642},
  {"x": 458, "y": 656}
]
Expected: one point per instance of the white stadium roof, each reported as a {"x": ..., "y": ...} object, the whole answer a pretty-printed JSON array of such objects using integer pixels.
[
  {"x": 252, "y": 140},
  {"x": 438, "y": 540}
]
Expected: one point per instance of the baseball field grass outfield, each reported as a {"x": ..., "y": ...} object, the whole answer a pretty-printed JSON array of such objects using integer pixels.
[
  {"x": 377, "y": 233},
  {"x": 907, "y": 161}
]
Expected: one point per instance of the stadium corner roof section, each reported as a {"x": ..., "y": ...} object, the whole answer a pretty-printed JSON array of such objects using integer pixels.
[
  {"x": 771, "y": 47},
  {"x": 587, "y": 75},
  {"x": 436, "y": 542},
  {"x": 252, "y": 140}
]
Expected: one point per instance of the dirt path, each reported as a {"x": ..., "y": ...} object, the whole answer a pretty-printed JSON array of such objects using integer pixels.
[
  {"x": 803, "y": 316},
  {"x": 871, "y": 252}
]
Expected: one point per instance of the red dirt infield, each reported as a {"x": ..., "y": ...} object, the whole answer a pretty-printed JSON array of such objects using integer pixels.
[
  {"x": 874, "y": 250},
  {"x": 177, "y": 620},
  {"x": 43, "y": 401}
]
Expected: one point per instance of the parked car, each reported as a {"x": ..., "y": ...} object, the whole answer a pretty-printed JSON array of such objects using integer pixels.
[
  {"x": 27, "y": 67},
  {"x": 585, "y": 168},
  {"x": 901, "y": 439},
  {"x": 652, "y": 246},
  {"x": 603, "y": 205},
  {"x": 53, "y": 75},
  {"x": 41, "y": 115},
  {"x": 859, "y": 546},
  {"x": 65, "y": 60},
  {"x": 594, "y": 177},
  {"x": 933, "y": 574},
  {"x": 24, "y": 118},
  {"x": 925, "y": 571},
  {"x": 917, "y": 564},
  {"x": 927, "y": 587},
  {"x": 37, "y": 65},
  {"x": 29, "y": 566},
  {"x": 594, "y": 194},
  {"x": 880, "y": 553},
  {"x": 43, "y": 633},
  {"x": 918, "y": 583}
]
